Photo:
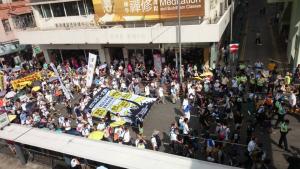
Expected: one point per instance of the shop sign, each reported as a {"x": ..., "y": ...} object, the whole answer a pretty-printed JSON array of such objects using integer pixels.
[{"x": 141, "y": 10}]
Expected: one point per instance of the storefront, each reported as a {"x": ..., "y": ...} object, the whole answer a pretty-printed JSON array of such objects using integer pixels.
[{"x": 13, "y": 53}]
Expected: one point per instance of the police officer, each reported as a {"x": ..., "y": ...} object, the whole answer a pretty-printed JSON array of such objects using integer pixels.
[{"x": 283, "y": 132}]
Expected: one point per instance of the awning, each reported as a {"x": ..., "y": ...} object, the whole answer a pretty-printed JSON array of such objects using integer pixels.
[{"x": 9, "y": 48}]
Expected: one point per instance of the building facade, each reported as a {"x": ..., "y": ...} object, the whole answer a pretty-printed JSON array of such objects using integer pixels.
[
  {"x": 291, "y": 9},
  {"x": 14, "y": 16},
  {"x": 130, "y": 30}
]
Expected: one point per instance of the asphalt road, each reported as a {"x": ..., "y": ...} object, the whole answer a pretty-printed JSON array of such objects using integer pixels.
[{"x": 266, "y": 52}]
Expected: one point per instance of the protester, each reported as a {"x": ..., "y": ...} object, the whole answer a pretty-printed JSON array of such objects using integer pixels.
[{"x": 216, "y": 97}]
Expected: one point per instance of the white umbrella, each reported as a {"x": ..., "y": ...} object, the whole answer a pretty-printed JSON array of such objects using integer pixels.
[
  {"x": 101, "y": 167},
  {"x": 17, "y": 68},
  {"x": 103, "y": 66},
  {"x": 10, "y": 94}
]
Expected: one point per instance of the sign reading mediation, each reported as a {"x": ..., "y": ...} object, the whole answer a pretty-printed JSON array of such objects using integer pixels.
[{"x": 140, "y": 10}]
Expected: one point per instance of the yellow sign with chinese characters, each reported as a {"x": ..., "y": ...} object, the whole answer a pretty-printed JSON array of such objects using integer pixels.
[
  {"x": 140, "y": 10},
  {"x": 27, "y": 80}
]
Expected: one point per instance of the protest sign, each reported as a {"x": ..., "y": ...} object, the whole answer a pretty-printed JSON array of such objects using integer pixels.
[
  {"x": 91, "y": 69},
  {"x": 128, "y": 105},
  {"x": 66, "y": 92},
  {"x": 19, "y": 84}
]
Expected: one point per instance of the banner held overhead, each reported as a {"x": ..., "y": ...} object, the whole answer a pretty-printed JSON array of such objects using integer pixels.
[{"x": 91, "y": 69}]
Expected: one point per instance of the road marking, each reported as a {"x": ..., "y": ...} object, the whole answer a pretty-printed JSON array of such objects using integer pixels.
[{"x": 245, "y": 41}]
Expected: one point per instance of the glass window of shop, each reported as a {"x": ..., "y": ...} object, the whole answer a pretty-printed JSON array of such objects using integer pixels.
[
  {"x": 58, "y": 10},
  {"x": 46, "y": 11},
  {"x": 81, "y": 7},
  {"x": 71, "y": 8},
  {"x": 89, "y": 6},
  {"x": 192, "y": 55}
]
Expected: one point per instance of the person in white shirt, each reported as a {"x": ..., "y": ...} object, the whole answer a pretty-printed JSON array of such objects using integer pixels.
[
  {"x": 161, "y": 95},
  {"x": 293, "y": 101},
  {"x": 151, "y": 73},
  {"x": 147, "y": 91},
  {"x": 101, "y": 126},
  {"x": 153, "y": 140},
  {"x": 252, "y": 145},
  {"x": 126, "y": 136},
  {"x": 67, "y": 125},
  {"x": 79, "y": 127},
  {"x": 186, "y": 129},
  {"x": 118, "y": 117},
  {"x": 123, "y": 86},
  {"x": 85, "y": 131}
]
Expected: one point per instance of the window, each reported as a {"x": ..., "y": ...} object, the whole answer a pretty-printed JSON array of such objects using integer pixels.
[
  {"x": 47, "y": 11},
  {"x": 71, "y": 8},
  {"x": 58, "y": 10},
  {"x": 6, "y": 25},
  {"x": 89, "y": 6},
  {"x": 81, "y": 7},
  {"x": 39, "y": 9}
]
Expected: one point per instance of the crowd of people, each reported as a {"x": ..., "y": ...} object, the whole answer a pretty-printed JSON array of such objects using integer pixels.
[{"x": 216, "y": 97}]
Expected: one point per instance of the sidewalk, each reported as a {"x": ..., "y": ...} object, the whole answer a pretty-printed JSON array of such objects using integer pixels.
[{"x": 9, "y": 162}]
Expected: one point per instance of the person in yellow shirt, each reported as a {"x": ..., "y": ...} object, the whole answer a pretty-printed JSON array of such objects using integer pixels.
[
  {"x": 283, "y": 132},
  {"x": 287, "y": 79},
  {"x": 271, "y": 66}
]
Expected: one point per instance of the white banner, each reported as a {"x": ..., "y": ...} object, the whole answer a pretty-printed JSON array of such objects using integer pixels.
[
  {"x": 91, "y": 69},
  {"x": 157, "y": 62},
  {"x": 4, "y": 120},
  {"x": 65, "y": 90}
]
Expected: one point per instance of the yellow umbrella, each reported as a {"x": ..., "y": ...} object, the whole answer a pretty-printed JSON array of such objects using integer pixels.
[
  {"x": 96, "y": 135},
  {"x": 197, "y": 78},
  {"x": 36, "y": 88},
  {"x": 12, "y": 117},
  {"x": 117, "y": 123},
  {"x": 206, "y": 74}
]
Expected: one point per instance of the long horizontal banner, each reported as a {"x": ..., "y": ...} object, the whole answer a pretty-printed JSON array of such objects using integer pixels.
[
  {"x": 128, "y": 105},
  {"x": 27, "y": 80},
  {"x": 140, "y": 10}
]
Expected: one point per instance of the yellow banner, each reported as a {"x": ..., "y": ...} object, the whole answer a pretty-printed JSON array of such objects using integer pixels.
[
  {"x": 140, "y": 10},
  {"x": 27, "y": 80},
  {"x": 1, "y": 82}
]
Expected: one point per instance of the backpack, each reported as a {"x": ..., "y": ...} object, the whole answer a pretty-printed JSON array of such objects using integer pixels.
[{"x": 158, "y": 140}]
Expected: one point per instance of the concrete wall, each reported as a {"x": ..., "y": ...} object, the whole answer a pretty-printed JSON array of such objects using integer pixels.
[
  {"x": 50, "y": 23},
  {"x": 294, "y": 31},
  {"x": 7, "y": 36},
  {"x": 141, "y": 35}
]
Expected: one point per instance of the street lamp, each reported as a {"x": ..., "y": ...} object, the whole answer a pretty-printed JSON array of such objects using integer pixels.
[{"x": 179, "y": 39}]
